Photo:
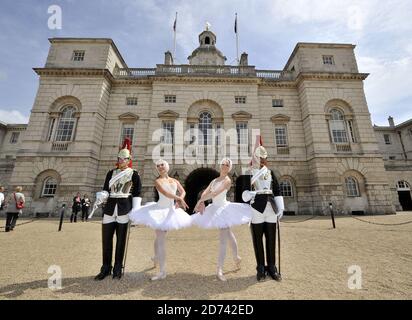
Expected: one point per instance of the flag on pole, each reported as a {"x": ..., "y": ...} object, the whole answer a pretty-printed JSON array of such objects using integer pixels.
[
  {"x": 174, "y": 24},
  {"x": 236, "y": 24}
]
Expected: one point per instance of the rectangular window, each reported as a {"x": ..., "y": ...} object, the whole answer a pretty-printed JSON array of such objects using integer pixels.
[
  {"x": 65, "y": 130},
  {"x": 328, "y": 60},
  {"x": 14, "y": 137},
  {"x": 131, "y": 101},
  {"x": 78, "y": 55},
  {"x": 387, "y": 138},
  {"x": 392, "y": 158},
  {"x": 170, "y": 99},
  {"x": 277, "y": 103},
  {"x": 240, "y": 99},
  {"x": 168, "y": 128},
  {"x": 281, "y": 136},
  {"x": 127, "y": 132},
  {"x": 242, "y": 133},
  {"x": 338, "y": 131}
]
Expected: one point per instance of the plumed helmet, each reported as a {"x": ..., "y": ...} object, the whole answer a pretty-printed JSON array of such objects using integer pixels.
[
  {"x": 125, "y": 151},
  {"x": 261, "y": 152}
]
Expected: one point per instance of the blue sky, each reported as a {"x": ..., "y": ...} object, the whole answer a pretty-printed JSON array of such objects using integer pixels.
[{"x": 268, "y": 32}]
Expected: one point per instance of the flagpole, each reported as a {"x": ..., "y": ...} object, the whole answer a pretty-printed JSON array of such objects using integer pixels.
[
  {"x": 237, "y": 41},
  {"x": 174, "y": 38}
]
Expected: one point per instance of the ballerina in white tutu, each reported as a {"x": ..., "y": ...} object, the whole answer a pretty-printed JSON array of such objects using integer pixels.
[
  {"x": 164, "y": 215},
  {"x": 222, "y": 214}
]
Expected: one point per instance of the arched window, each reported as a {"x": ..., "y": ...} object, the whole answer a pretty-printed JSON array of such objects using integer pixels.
[
  {"x": 352, "y": 188},
  {"x": 205, "y": 128},
  {"x": 403, "y": 186},
  {"x": 286, "y": 189},
  {"x": 49, "y": 187},
  {"x": 66, "y": 124}
]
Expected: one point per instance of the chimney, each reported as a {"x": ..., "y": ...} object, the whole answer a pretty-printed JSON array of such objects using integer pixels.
[
  {"x": 243, "y": 59},
  {"x": 168, "y": 58},
  {"x": 391, "y": 122}
]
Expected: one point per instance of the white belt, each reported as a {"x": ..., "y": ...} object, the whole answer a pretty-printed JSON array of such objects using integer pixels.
[
  {"x": 119, "y": 195},
  {"x": 264, "y": 192}
]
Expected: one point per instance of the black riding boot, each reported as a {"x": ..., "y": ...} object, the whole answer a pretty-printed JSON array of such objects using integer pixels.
[
  {"x": 121, "y": 234},
  {"x": 257, "y": 235},
  {"x": 107, "y": 244},
  {"x": 270, "y": 236}
]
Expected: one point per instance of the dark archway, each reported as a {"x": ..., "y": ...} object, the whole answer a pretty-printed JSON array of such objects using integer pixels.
[
  {"x": 195, "y": 183},
  {"x": 242, "y": 184}
]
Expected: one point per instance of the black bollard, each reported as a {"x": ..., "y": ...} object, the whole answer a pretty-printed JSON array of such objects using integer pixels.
[
  {"x": 62, "y": 216},
  {"x": 332, "y": 215}
]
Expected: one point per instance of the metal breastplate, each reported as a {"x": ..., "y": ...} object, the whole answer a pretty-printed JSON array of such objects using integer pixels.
[
  {"x": 264, "y": 182},
  {"x": 121, "y": 189}
]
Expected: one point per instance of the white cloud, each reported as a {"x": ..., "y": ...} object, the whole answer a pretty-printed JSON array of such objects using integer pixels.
[
  {"x": 13, "y": 116},
  {"x": 388, "y": 86}
]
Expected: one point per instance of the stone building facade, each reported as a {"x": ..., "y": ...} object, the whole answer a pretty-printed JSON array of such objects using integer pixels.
[
  {"x": 312, "y": 115},
  {"x": 395, "y": 143}
]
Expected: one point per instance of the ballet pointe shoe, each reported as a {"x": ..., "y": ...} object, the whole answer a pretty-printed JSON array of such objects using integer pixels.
[
  {"x": 220, "y": 275},
  {"x": 159, "y": 276},
  {"x": 238, "y": 260}
]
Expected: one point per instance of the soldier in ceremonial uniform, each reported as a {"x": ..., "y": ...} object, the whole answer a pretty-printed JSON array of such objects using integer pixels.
[
  {"x": 124, "y": 186},
  {"x": 267, "y": 207}
]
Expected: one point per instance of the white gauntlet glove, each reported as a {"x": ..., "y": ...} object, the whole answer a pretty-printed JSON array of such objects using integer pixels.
[
  {"x": 137, "y": 203},
  {"x": 280, "y": 205}
]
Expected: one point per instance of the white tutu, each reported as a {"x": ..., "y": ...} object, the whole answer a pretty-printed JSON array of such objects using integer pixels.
[
  {"x": 226, "y": 216},
  {"x": 161, "y": 215},
  {"x": 222, "y": 213}
]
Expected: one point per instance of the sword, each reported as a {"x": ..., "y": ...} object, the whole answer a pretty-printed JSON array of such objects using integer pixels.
[
  {"x": 127, "y": 245},
  {"x": 278, "y": 229}
]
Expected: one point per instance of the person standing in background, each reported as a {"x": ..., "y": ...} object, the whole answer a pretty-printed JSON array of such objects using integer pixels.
[
  {"x": 77, "y": 206},
  {"x": 13, "y": 211},
  {"x": 85, "y": 207}
]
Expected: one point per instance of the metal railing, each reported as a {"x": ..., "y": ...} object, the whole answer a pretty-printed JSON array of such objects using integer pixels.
[{"x": 343, "y": 148}]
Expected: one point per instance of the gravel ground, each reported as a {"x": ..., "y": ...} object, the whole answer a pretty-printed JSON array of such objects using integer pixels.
[{"x": 315, "y": 262}]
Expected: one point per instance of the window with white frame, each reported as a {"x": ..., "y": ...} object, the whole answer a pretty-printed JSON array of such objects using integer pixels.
[
  {"x": 168, "y": 132},
  {"x": 328, "y": 60},
  {"x": 205, "y": 128},
  {"x": 78, "y": 55},
  {"x": 170, "y": 99},
  {"x": 387, "y": 139},
  {"x": 49, "y": 187},
  {"x": 240, "y": 99},
  {"x": 352, "y": 188},
  {"x": 51, "y": 128},
  {"x": 127, "y": 132},
  {"x": 14, "y": 137},
  {"x": 277, "y": 103},
  {"x": 131, "y": 101},
  {"x": 242, "y": 133},
  {"x": 281, "y": 135},
  {"x": 218, "y": 134},
  {"x": 286, "y": 189},
  {"x": 338, "y": 127},
  {"x": 352, "y": 131},
  {"x": 67, "y": 121},
  {"x": 403, "y": 186}
]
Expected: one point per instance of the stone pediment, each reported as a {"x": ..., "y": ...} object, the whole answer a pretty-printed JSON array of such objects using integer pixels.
[
  {"x": 168, "y": 115},
  {"x": 128, "y": 116},
  {"x": 280, "y": 118},
  {"x": 241, "y": 115}
]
